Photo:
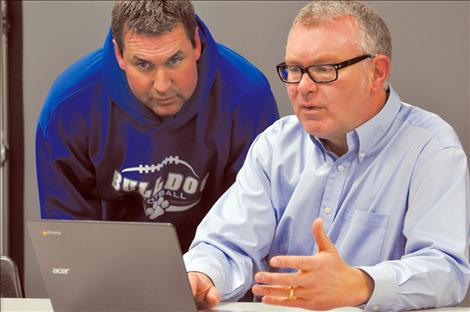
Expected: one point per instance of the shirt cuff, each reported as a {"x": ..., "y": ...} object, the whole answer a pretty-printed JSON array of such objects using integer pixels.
[
  {"x": 206, "y": 266},
  {"x": 385, "y": 289}
]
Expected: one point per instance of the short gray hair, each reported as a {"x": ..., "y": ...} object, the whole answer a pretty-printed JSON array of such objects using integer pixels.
[
  {"x": 374, "y": 32},
  {"x": 154, "y": 17}
]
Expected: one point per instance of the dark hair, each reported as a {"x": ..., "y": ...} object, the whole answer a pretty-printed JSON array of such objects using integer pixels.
[{"x": 153, "y": 17}]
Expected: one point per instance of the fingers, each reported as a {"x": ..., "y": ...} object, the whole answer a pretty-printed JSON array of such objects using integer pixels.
[
  {"x": 285, "y": 279},
  {"x": 306, "y": 263},
  {"x": 193, "y": 282},
  {"x": 301, "y": 263},
  {"x": 322, "y": 240},
  {"x": 279, "y": 295},
  {"x": 295, "y": 302},
  {"x": 278, "y": 291},
  {"x": 315, "y": 285},
  {"x": 204, "y": 291},
  {"x": 270, "y": 290},
  {"x": 212, "y": 297}
]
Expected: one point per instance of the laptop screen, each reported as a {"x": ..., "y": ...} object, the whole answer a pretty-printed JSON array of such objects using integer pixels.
[{"x": 111, "y": 266}]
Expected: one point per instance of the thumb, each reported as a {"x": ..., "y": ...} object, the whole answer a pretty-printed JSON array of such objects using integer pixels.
[
  {"x": 322, "y": 240},
  {"x": 204, "y": 291},
  {"x": 193, "y": 282},
  {"x": 212, "y": 297}
]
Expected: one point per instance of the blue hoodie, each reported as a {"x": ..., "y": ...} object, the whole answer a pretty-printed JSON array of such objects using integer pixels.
[{"x": 103, "y": 155}]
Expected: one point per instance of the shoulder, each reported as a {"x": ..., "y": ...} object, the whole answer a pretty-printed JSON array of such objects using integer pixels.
[
  {"x": 78, "y": 82},
  {"x": 238, "y": 73},
  {"x": 283, "y": 132},
  {"x": 243, "y": 88},
  {"x": 284, "y": 143},
  {"x": 432, "y": 142},
  {"x": 430, "y": 125}
]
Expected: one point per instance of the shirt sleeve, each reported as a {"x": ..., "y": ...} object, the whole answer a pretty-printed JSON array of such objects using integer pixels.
[
  {"x": 66, "y": 180},
  {"x": 434, "y": 271},
  {"x": 231, "y": 244}
]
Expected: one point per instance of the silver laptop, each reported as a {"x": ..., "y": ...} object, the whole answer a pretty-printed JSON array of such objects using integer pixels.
[{"x": 111, "y": 266}]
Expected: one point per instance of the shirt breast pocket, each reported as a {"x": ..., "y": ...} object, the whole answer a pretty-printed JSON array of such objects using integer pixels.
[{"x": 362, "y": 236}]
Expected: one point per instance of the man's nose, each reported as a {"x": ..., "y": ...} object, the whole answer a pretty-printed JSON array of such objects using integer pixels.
[
  {"x": 307, "y": 85},
  {"x": 162, "y": 81}
]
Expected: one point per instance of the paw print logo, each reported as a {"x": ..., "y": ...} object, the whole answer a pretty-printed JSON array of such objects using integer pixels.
[{"x": 158, "y": 207}]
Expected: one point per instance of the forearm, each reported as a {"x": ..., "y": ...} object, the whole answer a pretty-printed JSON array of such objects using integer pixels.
[
  {"x": 230, "y": 277},
  {"x": 427, "y": 279}
]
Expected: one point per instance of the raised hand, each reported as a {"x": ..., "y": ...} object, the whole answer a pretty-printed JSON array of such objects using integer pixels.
[{"x": 323, "y": 281}]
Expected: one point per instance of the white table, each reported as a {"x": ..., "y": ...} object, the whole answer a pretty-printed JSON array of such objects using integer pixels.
[
  {"x": 44, "y": 305},
  {"x": 25, "y": 304}
]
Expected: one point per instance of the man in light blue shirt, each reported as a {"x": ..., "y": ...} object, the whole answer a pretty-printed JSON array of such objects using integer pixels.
[{"x": 385, "y": 185}]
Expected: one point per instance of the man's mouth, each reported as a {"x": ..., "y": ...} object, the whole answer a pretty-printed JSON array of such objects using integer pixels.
[
  {"x": 311, "y": 107},
  {"x": 165, "y": 101}
]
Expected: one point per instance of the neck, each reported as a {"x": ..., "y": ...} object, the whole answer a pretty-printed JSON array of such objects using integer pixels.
[
  {"x": 379, "y": 102},
  {"x": 339, "y": 147}
]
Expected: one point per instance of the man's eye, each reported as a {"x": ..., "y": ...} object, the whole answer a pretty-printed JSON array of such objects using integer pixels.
[
  {"x": 174, "y": 61},
  {"x": 293, "y": 69},
  {"x": 322, "y": 69},
  {"x": 143, "y": 65}
]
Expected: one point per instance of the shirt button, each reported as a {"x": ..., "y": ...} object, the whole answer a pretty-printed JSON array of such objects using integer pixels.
[
  {"x": 328, "y": 210},
  {"x": 340, "y": 168},
  {"x": 376, "y": 307},
  {"x": 362, "y": 155}
]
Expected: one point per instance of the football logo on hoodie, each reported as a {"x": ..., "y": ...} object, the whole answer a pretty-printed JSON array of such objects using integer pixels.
[{"x": 169, "y": 186}]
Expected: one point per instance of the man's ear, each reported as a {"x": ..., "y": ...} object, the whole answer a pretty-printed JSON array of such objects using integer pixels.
[
  {"x": 197, "y": 45},
  {"x": 381, "y": 71},
  {"x": 119, "y": 55}
]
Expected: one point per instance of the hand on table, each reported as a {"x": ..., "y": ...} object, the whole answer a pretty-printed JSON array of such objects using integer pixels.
[
  {"x": 323, "y": 281},
  {"x": 204, "y": 291}
]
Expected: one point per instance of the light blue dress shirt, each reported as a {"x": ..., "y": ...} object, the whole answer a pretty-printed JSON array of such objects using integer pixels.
[{"x": 395, "y": 205}]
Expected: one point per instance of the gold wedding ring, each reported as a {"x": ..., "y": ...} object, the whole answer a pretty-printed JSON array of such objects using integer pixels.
[{"x": 291, "y": 292}]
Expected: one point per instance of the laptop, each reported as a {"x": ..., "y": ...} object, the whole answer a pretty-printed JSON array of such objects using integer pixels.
[{"x": 111, "y": 266}]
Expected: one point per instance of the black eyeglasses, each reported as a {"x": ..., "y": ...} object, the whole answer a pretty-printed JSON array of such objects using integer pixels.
[{"x": 321, "y": 73}]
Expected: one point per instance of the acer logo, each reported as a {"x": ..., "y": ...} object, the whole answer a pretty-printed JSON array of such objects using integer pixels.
[{"x": 62, "y": 271}]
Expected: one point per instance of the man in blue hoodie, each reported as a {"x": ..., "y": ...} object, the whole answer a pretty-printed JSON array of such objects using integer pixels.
[{"x": 152, "y": 127}]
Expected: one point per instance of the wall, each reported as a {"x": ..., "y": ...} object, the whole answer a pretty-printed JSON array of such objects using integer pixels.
[
  {"x": 55, "y": 33},
  {"x": 431, "y": 59}
]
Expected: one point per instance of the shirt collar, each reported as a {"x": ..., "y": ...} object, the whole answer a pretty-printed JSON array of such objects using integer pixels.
[
  {"x": 319, "y": 145},
  {"x": 371, "y": 132},
  {"x": 367, "y": 136}
]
